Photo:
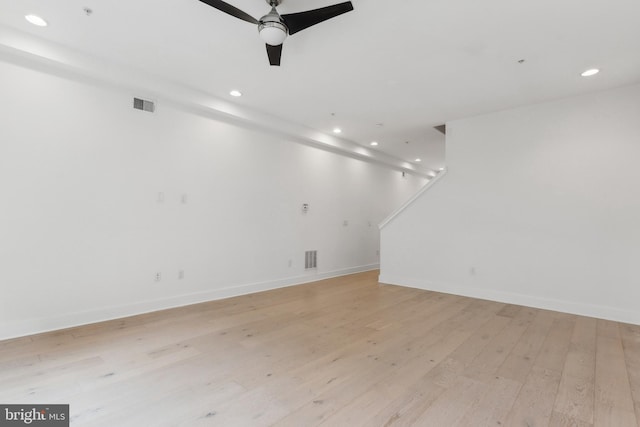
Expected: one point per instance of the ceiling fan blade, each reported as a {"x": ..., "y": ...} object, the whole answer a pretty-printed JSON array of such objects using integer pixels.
[
  {"x": 274, "y": 52},
  {"x": 301, "y": 20},
  {"x": 231, "y": 10}
]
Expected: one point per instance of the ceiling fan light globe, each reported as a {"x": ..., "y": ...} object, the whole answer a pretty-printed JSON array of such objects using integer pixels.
[{"x": 272, "y": 33}]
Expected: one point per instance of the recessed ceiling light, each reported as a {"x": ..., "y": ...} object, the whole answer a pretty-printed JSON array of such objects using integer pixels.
[
  {"x": 441, "y": 169},
  {"x": 418, "y": 160},
  {"x": 36, "y": 20},
  {"x": 337, "y": 130},
  {"x": 374, "y": 144},
  {"x": 590, "y": 72},
  {"x": 235, "y": 93}
]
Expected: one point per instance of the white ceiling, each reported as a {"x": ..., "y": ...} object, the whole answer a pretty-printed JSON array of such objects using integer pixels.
[{"x": 388, "y": 71}]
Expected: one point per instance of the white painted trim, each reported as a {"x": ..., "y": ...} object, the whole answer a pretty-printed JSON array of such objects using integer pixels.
[
  {"x": 409, "y": 202},
  {"x": 69, "y": 320},
  {"x": 597, "y": 311}
]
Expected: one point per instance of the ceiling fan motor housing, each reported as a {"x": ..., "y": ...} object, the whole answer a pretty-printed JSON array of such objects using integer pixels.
[{"x": 271, "y": 28}]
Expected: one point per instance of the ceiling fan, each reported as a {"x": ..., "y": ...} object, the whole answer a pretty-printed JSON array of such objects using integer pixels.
[{"x": 274, "y": 28}]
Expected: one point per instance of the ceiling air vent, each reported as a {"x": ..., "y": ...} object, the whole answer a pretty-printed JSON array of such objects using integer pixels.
[
  {"x": 144, "y": 105},
  {"x": 442, "y": 129},
  {"x": 310, "y": 260}
]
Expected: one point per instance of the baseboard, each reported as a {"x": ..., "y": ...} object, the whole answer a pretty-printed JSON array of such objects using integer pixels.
[
  {"x": 581, "y": 309},
  {"x": 23, "y": 328}
]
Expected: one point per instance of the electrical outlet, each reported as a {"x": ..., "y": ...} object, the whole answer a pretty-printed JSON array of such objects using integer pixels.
[
  {"x": 290, "y": 263},
  {"x": 158, "y": 276},
  {"x": 180, "y": 274}
]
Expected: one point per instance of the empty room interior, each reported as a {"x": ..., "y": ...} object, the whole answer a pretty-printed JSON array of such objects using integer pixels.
[{"x": 308, "y": 213}]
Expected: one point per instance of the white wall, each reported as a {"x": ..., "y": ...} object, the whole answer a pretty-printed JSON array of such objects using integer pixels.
[
  {"x": 82, "y": 233},
  {"x": 540, "y": 206}
]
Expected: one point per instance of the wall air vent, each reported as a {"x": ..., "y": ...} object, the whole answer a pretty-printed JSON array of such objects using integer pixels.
[
  {"x": 144, "y": 105},
  {"x": 442, "y": 129},
  {"x": 310, "y": 260}
]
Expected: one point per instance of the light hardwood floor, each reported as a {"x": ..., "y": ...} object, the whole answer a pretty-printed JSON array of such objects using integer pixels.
[{"x": 340, "y": 352}]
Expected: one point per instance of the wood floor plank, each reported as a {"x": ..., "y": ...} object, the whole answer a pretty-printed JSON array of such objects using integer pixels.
[
  {"x": 630, "y": 335},
  {"x": 534, "y": 404},
  {"x": 342, "y": 351},
  {"x": 556, "y": 345},
  {"x": 614, "y": 404},
  {"x": 494, "y": 405},
  {"x": 470, "y": 349},
  {"x": 520, "y": 360},
  {"x": 451, "y": 406},
  {"x": 576, "y": 393},
  {"x": 509, "y": 310},
  {"x": 489, "y": 360},
  {"x": 562, "y": 420},
  {"x": 575, "y": 399}
]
